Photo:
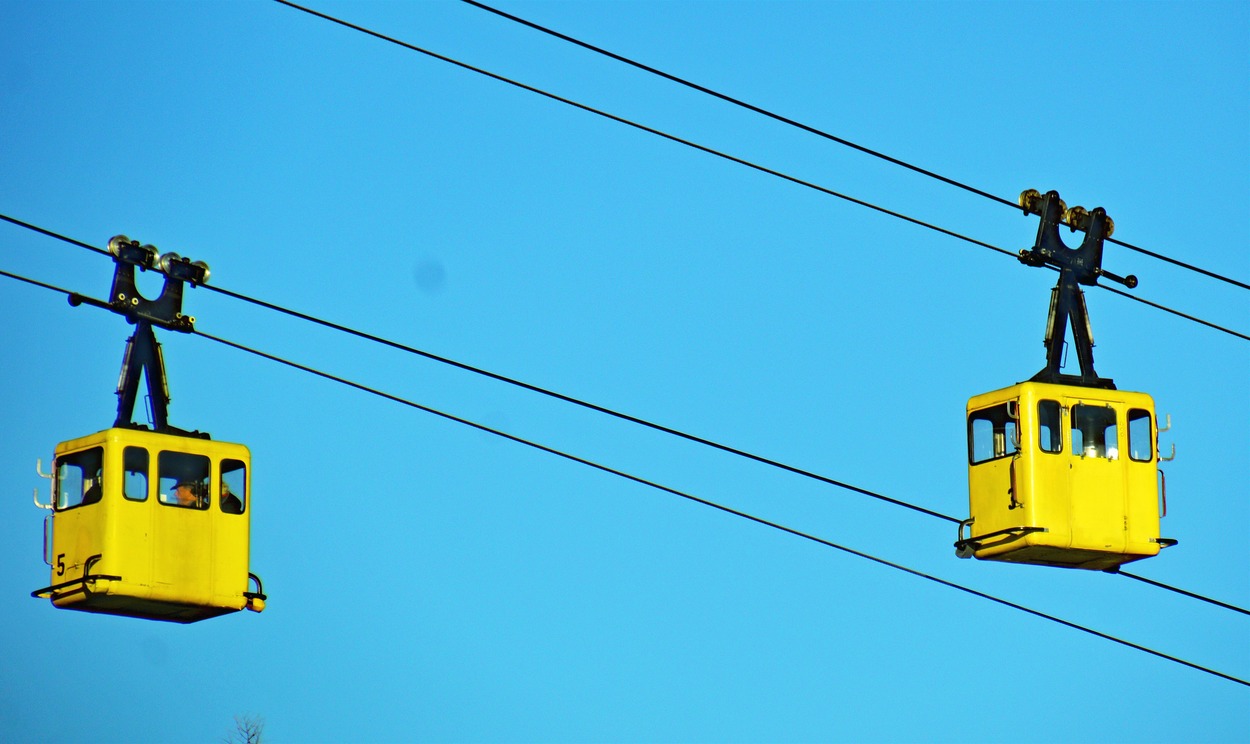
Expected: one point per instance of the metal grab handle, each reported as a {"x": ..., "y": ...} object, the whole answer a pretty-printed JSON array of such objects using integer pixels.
[
  {"x": 54, "y": 592},
  {"x": 962, "y": 548},
  {"x": 47, "y": 555},
  {"x": 1015, "y": 533},
  {"x": 1159, "y": 448},
  {"x": 256, "y": 599},
  {"x": 1163, "y": 492},
  {"x": 1015, "y": 503},
  {"x": 39, "y": 470},
  {"x": 260, "y": 590}
]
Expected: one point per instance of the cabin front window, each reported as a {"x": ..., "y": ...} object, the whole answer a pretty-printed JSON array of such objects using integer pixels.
[
  {"x": 184, "y": 479},
  {"x": 1094, "y": 432},
  {"x": 79, "y": 478},
  {"x": 992, "y": 433}
]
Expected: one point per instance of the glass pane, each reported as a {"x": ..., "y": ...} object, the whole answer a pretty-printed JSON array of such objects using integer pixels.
[
  {"x": 184, "y": 479},
  {"x": 1094, "y": 432},
  {"x": 135, "y": 463},
  {"x": 79, "y": 478},
  {"x": 233, "y": 486},
  {"x": 1049, "y": 434},
  {"x": 1140, "y": 443},
  {"x": 991, "y": 434}
]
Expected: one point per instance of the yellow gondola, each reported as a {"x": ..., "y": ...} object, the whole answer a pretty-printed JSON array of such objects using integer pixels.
[
  {"x": 150, "y": 523},
  {"x": 1063, "y": 470},
  {"x": 1061, "y": 475}
]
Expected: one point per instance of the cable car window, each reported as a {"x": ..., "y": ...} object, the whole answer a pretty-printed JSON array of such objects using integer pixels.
[
  {"x": 1094, "y": 432},
  {"x": 233, "y": 486},
  {"x": 79, "y": 478},
  {"x": 1140, "y": 443},
  {"x": 1049, "y": 434},
  {"x": 135, "y": 465},
  {"x": 184, "y": 479},
  {"x": 992, "y": 434}
]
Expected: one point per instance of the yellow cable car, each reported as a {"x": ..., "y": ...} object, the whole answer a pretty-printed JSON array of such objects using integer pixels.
[
  {"x": 1062, "y": 475},
  {"x": 1063, "y": 470},
  {"x": 150, "y": 523}
]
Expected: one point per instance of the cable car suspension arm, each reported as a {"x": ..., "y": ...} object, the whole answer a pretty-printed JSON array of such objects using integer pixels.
[
  {"x": 143, "y": 353},
  {"x": 1078, "y": 266}
]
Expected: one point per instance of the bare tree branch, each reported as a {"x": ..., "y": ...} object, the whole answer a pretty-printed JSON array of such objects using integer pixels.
[{"x": 247, "y": 730}]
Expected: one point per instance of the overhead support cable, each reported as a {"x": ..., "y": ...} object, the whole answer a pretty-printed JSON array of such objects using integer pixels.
[
  {"x": 706, "y": 149},
  {"x": 739, "y": 102},
  {"x": 50, "y": 234},
  {"x": 76, "y": 298},
  {"x": 602, "y": 409},
  {"x": 1178, "y": 590},
  {"x": 818, "y": 132},
  {"x": 644, "y": 128},
  {"x": 594, "y": 407},
  {"x": 723, "y": 508},
  {"x": 533, "y": 388},
  {"x": 544, "y": 391},
  {"x": 1177, "y": 313},
  {"x": 35, "y": 282}
]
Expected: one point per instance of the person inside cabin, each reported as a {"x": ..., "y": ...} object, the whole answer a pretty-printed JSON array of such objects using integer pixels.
[
  {"x": 230, "y": 504},
  {"x": 187, "y": 494},
  {"x": 94, "y": 489}
]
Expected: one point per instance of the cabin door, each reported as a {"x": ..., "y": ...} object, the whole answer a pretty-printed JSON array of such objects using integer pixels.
[{"x": 1096, "y": 476}]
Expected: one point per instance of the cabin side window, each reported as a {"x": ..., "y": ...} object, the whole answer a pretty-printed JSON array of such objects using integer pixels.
[
  {"x": 184, "y": 479},
  {"x": 79, "y": 478},
  {"x": 992, "y": 433},
  {"x": 1049, "y": 426},
  {"x": 1094, "y": 432},
  {"x": 135, "y": 466},
  {"x": 1140, "y": 443},
  {"x": 233, "y": 486}
]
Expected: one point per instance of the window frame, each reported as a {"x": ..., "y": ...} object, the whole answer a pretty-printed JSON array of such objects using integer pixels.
[
  {"x": 69, "y": 460},
  {"x": 1149, "y": 435},
  {"x": 223, "y": 485},
  {"x": 126, "y": 471},
  {"x": 181, "y": 472},
  {"x": 1076, "y": 409},
  {"x": 1006, "y": 423},
  {"x": 1057, "y": 433}
]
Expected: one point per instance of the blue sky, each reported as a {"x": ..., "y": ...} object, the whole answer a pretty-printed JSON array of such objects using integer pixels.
[{"x": 429, "y": 582}]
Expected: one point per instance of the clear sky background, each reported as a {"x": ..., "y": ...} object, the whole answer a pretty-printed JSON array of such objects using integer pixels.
[{"x": 429, "y": 582}]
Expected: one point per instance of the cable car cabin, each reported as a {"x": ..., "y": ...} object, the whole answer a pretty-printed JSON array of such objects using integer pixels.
[
  {"x": 1062, "y": 475},
  {"x": 151, "y": 525}
]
